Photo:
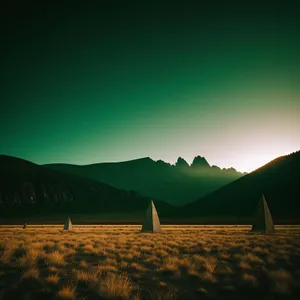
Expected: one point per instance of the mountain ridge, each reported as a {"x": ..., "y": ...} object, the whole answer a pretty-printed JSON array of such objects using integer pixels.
[
  {"x": 278, "y": 180},
  {"x": 177, "y": 184},
  {"x": 149, "y": 159},
  {"x": 27, "y": 188}
]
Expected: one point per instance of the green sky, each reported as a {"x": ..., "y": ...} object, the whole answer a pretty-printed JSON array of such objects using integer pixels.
[{"x": 124, "y": 80}]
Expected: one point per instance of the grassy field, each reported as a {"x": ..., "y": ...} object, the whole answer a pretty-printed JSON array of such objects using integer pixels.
[{"x": 119, "y": 262}]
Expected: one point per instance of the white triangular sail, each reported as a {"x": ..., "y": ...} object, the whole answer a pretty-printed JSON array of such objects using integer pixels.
[
  {"x": 263, "y": 221},
  {"x": 68, "y": 225},
  {"x": 151, "y": 222}
]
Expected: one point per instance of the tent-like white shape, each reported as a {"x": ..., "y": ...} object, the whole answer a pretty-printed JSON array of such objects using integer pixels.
[
  {"x": 151, "y": 222},
  {"x": 263, "y": 221},
  {"x": 68, "y": 224}
]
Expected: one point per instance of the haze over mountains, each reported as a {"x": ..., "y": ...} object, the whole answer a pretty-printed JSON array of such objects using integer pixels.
[
  {"x": 279, "y": 181},
  {"x": 27, "y": 189},
  {"x": 177, "y": 184}
]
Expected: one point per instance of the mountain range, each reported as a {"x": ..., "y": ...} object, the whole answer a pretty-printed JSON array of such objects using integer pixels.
[
  {"x": 30, "y": 189},
  {"x": 176, "y": 184},
  {"x": 278, "y": 180}
]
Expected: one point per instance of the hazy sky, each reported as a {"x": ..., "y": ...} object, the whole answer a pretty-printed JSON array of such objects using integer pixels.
[{"x": 129, "y": 79}]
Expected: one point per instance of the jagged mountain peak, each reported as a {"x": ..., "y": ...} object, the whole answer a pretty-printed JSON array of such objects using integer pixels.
[
  {"x": 177, "y": 183},
  {"x": 278, "y": 180},
  {"x": 200, "y": 162},
  {"x": 181, "y": 162}
]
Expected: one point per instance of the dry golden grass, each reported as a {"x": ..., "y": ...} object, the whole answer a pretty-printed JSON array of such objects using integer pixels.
[
  {"x": 184, "y": 262},
  {"x": 31, "y": 273},
  {"x": 244, "y": 265},
  {"x": 55, "y": 258},
  {"x": 29, "y": 259},
  {"x": 87, "y": 275},
  {"x": 115, "y": 285},
  {"x": 250, "y": 279},
  {"x": 67, "y": 292},
  {"x": 208, "y": 276},
  {"x": 53, "y": 278},
  {"x": 210, "y": 264},
  {"x": 252, "y": 258},
  {"x": 162, "y": 295}
]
